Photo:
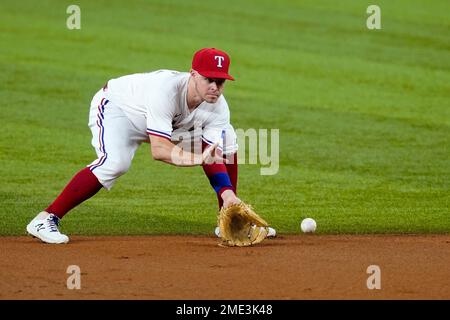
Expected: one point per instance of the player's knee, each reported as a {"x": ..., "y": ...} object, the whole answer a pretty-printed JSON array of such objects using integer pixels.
[{"x": 118, "y": 168}]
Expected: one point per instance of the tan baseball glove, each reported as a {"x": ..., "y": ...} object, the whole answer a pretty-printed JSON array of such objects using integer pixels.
[{"x": 241, "y": 226}]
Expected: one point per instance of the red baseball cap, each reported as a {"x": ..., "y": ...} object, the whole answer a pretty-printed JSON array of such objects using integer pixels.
[{"x": 212, "y": 63}]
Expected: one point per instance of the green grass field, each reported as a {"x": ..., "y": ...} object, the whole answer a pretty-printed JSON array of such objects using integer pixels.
[{"x": 364, "y": 115}]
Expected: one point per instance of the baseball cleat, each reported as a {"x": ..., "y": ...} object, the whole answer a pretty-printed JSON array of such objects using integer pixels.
[
  {"x": 46, "y": 229},
  {"x": 272, "y": 232}
]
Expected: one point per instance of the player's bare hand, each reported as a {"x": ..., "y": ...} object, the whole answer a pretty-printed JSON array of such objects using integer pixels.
[
  {"x": 213, "y": 155},
  {"x": 229, "y": 198}
]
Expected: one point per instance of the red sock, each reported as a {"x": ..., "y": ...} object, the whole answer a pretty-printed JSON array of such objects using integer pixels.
[
  {"x": 232, "y": 169},
  {"x": 82, "y": 187}
]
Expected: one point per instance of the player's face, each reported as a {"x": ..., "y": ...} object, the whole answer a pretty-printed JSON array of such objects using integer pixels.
[{"x": 209, "y": 89}]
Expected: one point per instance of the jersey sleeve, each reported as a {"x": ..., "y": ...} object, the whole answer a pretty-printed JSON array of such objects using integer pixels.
[{"x": 159, "y": 118}]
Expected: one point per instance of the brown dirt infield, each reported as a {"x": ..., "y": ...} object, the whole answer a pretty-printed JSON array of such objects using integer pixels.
[{"x": 179, "y": 267}]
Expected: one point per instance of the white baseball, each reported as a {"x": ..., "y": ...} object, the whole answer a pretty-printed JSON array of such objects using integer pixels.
[{"x": 308, "y": 225}]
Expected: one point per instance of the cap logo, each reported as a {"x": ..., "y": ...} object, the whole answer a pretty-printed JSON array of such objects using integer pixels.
[{"x": 219, "y": 60}]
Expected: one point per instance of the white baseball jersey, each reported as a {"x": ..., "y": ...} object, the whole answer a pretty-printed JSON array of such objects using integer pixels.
[{"x": 156, "y": 103}]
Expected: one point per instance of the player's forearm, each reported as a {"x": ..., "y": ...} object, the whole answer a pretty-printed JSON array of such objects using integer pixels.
[{"x": 172, "y": 154}]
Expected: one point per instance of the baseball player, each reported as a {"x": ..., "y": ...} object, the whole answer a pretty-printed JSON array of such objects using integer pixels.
[{"x": 183, "y": 115}]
